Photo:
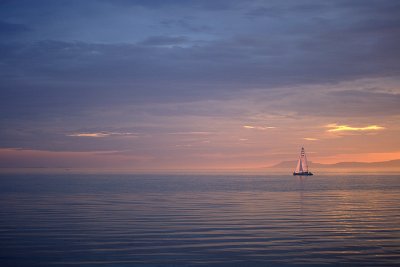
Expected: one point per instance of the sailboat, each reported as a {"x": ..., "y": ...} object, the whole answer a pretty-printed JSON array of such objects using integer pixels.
[{"x": 302, "y": 165}]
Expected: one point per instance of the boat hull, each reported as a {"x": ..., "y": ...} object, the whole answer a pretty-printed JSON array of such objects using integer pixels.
[{"x": 303, "y": 173}]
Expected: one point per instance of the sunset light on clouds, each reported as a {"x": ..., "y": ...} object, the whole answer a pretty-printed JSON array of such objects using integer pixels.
[
  {"x": 234, "y": 85},
  {"x": 258, "y": 127},
  {"x": 101, "y": 134},
  {"x": 344, "y": 128}
]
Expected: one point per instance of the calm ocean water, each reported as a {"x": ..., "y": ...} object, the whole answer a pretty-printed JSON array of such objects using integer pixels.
[{"x": 166, "y": 220}]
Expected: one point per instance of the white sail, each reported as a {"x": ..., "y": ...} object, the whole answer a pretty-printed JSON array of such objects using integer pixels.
[
  {"x": 299, "y": 166},
  {"x": 302, "y": 165},
  {"x": 304, "y": 161}
]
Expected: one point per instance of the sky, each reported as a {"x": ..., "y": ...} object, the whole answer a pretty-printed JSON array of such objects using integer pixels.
[{"x": 197, "y": 85}]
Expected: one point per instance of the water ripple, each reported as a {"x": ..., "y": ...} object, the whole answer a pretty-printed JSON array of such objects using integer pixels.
[{"x": 316, "y": 221}]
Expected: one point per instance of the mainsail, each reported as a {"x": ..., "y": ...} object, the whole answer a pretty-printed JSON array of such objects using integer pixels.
[{"x": 302, "y": 166}]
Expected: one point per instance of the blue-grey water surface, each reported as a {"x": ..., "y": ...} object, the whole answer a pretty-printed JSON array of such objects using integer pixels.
[{"x": 189, "y": 220}]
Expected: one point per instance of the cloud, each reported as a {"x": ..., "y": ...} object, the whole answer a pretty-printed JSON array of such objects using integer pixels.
[
  {"x": 346, "y": 128},
  {"x": 102, "y": 134},
  {"x": 191, "y": 133},
  {"x": 263, "y": 11},
  {"x": 310, "y": 139},
  {"x": 359, "y": 98},
  {"x": 306, "y": 45},
  {"x": 11, "y": 29},
  {"x": 89, "y": 134},
  {"x": 162, "y": 4},
  {"x": 186, "y": 24},
  {"x": 164, "y": 40},
  {"x": 262, "y": 128}
]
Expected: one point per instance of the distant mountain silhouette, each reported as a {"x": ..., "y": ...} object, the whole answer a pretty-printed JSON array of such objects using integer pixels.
[{"x": 343, "y": 165}]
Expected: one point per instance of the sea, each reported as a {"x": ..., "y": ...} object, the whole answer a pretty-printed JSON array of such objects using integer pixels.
[{"x": 199, "y": 220}]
